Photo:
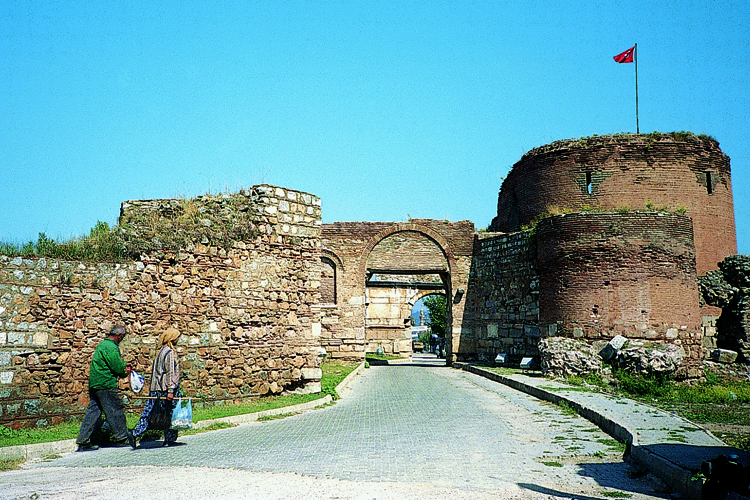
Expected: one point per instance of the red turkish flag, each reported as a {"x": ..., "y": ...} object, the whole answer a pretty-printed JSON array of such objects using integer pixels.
[{"x": 625, "y": 57}]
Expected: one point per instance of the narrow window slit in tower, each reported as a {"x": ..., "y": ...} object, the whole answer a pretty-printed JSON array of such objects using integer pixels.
[
  {"x": 709, "y": 183},
  {"x": 588, "y": 182}
]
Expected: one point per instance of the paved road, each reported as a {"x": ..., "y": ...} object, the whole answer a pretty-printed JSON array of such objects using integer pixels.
[{"x": 404, "y": 431}]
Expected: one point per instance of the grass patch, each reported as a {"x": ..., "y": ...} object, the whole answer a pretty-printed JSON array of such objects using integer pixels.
[
  {"x": 59, "y": 432},
  {"x": 381, "y": 359},
  {"x": 552, "y": 464},
  {"x": 566, "y": 408},
  {"x": 260, "y": 404},
  {"x": 592, "y": 379},
  {"x": 711, "y": 401},
  {"x": 614, "y": 444},
  {"x": 14, "y": 464},
  {"x": 504, "y": 370},
  {"x": 333, "y": 374},
  {"x": 616, "y": 494},
  {"x": 268, "y": 418}
]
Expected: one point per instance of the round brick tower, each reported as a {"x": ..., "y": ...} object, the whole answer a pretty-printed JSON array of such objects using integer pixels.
[
  {"x": 608, "y": 273},
  {"x": 673, "y": 172}
]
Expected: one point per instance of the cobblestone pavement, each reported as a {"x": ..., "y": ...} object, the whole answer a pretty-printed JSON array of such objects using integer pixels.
[{"x": 403, "y": 431}]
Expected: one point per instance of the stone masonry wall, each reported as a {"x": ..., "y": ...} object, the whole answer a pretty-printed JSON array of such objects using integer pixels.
[
  {"x": 248, "y": 314},
  {"x": 502, "y": 303}
]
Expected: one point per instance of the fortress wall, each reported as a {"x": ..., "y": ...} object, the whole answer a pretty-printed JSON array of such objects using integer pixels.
[
  {"x": 632, "y": 171},
  {"x": 249, "y": 313},
  {"x": 603, "y": 274},
  {"x": 502, "y": 302},
  {"x": 343, "y": 324}
]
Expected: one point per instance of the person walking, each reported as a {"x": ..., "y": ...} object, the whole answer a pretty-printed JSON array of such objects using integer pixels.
[
  {"x": 165, "y": 383},
  {"x": 106, "y": 367}
]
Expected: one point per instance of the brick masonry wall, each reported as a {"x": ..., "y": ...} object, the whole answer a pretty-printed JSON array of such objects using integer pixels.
[
  {"x": 611, "y": 172},
  {"x": 502, "y": 303},
  {"x": 249, "y": 315},
  {"x": 603, "y": 274},
  {"x": 408, "y": 247}
]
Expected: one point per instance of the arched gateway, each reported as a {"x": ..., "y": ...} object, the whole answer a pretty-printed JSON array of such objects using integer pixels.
[{"x": 380, "y": 269}]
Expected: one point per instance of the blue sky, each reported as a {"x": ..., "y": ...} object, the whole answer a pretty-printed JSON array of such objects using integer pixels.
[{"x": 385, "y": 110}]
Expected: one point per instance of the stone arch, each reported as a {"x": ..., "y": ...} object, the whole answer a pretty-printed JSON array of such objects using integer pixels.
[
  {"x": 422, "y": 294},
  {"x": 443, "y": 266},
  {"x": 332, "y": 268},
  {"x": 400, "y": 227}
]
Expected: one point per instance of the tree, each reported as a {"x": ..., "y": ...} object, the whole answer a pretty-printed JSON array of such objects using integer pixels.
[{"x": 437, "y": 307}]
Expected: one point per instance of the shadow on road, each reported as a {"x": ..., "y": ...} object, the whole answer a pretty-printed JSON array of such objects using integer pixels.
[{"x": 556, "y": 493}]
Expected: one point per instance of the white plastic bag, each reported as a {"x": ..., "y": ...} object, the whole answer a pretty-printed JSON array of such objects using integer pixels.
[
  {"x": 136, "y": 381},
  {"x": 182, "y": 416}
]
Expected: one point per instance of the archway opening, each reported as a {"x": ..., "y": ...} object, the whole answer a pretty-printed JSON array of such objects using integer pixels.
[
  {"x": 402, "y": 266},
  {"x": 429, "y": 319}
]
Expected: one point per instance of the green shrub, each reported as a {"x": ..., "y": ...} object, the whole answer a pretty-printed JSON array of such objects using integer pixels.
[{"x": 644, "y": 385}]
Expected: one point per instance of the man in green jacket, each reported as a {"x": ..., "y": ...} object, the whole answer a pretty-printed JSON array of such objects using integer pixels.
[{"x": 107, "y": 366}]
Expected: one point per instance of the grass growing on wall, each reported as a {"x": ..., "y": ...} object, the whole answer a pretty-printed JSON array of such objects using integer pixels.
[
  {"x": 101, "y": 245},
  {"x": 210, "y": 220}
]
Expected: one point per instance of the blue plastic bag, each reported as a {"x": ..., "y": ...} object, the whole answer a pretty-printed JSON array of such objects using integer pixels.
[{"x": 182, "y": 416}]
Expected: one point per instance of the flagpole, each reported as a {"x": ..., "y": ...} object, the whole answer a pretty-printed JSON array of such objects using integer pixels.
[{"x": 637, "y": 127}]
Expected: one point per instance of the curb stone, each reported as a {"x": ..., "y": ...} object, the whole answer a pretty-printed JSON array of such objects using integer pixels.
[{"x": 44, "y": 450}]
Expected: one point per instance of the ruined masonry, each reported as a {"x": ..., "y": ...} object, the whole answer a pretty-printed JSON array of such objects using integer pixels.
[
  {"x": 595, "y": 238},
  {"x": 247, "y": 313}
]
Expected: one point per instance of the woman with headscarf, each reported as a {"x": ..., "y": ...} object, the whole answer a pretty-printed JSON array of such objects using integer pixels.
[{"x": 165, "y": 383}]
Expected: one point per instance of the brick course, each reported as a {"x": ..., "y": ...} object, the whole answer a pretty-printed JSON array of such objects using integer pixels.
[{"x": 633, "y": 171}]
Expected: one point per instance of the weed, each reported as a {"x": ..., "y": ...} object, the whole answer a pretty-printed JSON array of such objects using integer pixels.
[
  {"x": 66, "y": 278},
  {"x": 591, "y": 379},
  {"x": 612, "y": 443},
  {"x": 566, "y": 408},
  {"x": 552, "y": 464},
  {"x": 268, "y": 418},
  {"x": 213, "y": 427},
  {"x": 616, "y": 494},
  {"x": 643, "y": 385},
  {"x": 10, "y": 464}
]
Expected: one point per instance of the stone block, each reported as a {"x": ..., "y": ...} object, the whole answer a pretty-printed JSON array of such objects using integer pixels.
[
  {"x": 724, "y": 356},
  {"x": 610, "y": 350},
  {"x": 16, "y": 338},
  {"x": 312, "y": 373},
  {"x": 492, "y": 330},
  {"x": 41, "y": 338}
]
